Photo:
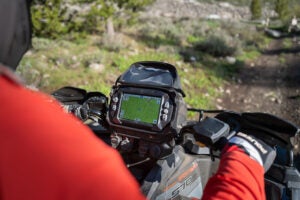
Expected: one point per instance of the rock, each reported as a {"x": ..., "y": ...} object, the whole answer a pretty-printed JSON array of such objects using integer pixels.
[
  {"x": 168, "y": 14},
  {"x": 74, "y": 58},
  {"x": 273, "y": 33},
  {"x": 196, "y": 9},
  {"x": 246, "y": 101},
  {"x": 219, "y": 107},
  {"x": 186, "y": 70},
  {"x": 219, "y": 100},
  {"x": 29, "y": 53},
  {"x": 193, "y": 59},
  {"x": 231, "y": 60},
  {"x": 278, "y": 101},
  {"x": 178, "y": 63},
  {"x": 273, "y": 99},
  {"x": 257, "y": 105},
  {"x": 228, "y": 91},
  {"x": 221, "y": 90},
  {"x": 225, "y": 5},
  {"x": 213, "y": 16},
  {"x": 75, "y": 65},
  {"x": 186, "y": 82},
  {"x": 97, "y": 67}
]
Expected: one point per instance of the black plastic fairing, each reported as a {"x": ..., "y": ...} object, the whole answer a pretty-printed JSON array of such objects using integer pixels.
[
  {"x": 70, "y": 94},
  {"x": 269, "y": 128}
]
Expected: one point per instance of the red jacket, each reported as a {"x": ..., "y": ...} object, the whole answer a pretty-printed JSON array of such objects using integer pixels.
[
  {"x": 46, "y": 153},
  {"x": 238, "y": 177}
]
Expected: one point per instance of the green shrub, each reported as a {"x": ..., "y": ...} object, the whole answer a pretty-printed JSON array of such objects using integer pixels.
[
  {"x": 48, "y": 18},
  {"x": 282, "y": 8},
  {"x": 194, "y": 39},
  {"x": 296, "y": 10},
  {"x": 215, "y": 46},
  {"x": 255, "y": 8},
  {"x": 96, "y": 18}
]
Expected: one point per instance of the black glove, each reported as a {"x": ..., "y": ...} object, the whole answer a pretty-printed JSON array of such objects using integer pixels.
[
  {"x": 255, "y": 148},
  {"x": 81, "y": 112}
]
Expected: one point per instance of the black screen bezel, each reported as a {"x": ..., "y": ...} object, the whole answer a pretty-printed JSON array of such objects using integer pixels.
[{"x": 140, "y": 127}]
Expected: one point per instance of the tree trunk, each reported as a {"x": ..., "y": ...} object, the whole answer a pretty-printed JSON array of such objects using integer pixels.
[{"x": 110, "y": 28}]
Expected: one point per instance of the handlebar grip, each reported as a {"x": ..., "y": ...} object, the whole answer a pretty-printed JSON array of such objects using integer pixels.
[{"x": 82, "y": 113}]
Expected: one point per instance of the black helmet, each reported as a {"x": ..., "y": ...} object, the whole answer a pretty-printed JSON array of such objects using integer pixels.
[{"x": 15, "y": 31}]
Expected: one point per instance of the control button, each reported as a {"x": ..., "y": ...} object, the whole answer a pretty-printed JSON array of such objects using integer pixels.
[
  {"x": 167, "y": 105},
  {"x": 115, "y": 99},
  {"x": 114, "y": 108},
  {"x": 165, "y": 111},
  {"x": 164, "y": 117}
]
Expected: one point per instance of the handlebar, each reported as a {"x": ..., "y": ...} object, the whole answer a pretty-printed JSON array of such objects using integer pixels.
[{"x": 202, "y": 111}]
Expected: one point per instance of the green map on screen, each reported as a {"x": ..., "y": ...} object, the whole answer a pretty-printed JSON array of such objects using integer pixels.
[{"x": 140, "y": 108}]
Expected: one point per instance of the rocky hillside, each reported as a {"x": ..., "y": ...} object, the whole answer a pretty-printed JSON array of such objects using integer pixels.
[{"x": 198, "y": 9}]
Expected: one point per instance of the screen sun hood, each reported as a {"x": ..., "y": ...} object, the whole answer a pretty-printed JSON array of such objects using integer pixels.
[{"x": 152, "y": 74}]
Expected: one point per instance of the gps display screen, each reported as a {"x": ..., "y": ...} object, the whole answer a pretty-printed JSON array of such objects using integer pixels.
[{"x": 140, "y": 108}]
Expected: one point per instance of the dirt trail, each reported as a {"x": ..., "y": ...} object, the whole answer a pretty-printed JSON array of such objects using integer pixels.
[{"x": 269, "y": 84}]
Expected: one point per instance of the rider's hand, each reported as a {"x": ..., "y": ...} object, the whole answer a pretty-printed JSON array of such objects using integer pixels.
[
  {"x": 255, "y": 148},
  {"x": 81, "y": 112}
]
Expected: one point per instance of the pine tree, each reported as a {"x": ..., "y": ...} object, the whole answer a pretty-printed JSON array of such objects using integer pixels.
[
  {"x": 105, "y": 11},
  {"x": 255, "y": 8},
  {"x": 48, "y": 18},
  {"x": 51, "y": 18},
  {"x": 282, "y": 8}
]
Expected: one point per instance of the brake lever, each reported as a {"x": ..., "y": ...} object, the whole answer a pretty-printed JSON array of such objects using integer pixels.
[{"x": 95, "y": 113}]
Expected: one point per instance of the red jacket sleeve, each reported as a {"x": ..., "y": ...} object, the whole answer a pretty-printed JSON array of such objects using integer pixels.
[
  {"x": 46, "y": 153},
  {"x": 238, "y": 177}
]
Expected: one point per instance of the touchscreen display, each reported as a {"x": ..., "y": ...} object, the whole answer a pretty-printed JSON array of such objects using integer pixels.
[{"x": 140, "y": 108}]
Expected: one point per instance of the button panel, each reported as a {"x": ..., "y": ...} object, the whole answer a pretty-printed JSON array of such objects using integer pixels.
[
  {"x": 115, "y": 99},
  {"x": 164, "y": 117},
  {"x": 114, "y": 107},
  {"x": 167, "y": 105},
  {"x": 165, "y": 111}
]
